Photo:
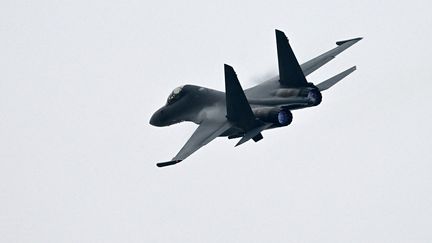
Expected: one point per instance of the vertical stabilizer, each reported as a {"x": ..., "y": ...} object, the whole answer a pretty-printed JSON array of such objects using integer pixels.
[
  {"x": 237, "y": 105},
  {"x": 290, "y": 72}
]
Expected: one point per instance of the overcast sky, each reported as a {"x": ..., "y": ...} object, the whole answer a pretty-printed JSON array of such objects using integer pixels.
[{"x": 79, "y": 81}]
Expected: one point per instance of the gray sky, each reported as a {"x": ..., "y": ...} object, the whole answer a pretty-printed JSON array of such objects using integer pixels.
[{"x": 79, "y": 81}]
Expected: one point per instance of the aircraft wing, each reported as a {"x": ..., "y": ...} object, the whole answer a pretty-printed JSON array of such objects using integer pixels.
[
  {"x": 205, "y": 133},
  {"x": 317, "y": 62}
]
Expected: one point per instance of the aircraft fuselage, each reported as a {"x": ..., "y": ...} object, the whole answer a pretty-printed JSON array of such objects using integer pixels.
[{"x": 195, "y": 104}]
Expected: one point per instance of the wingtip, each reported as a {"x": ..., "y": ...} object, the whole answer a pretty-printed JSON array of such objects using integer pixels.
[
  {"x": 354, "y": 40},
  {"x": 163, "y": 164}
]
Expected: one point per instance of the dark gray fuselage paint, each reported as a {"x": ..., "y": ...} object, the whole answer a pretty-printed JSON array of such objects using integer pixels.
[{"x": 197, "y": 104}]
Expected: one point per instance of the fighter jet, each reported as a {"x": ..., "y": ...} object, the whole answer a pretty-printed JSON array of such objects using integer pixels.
[{"x": 245, "y": 114}]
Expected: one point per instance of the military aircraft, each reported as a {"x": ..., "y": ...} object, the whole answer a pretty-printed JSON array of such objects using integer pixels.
[{"x": 244, "y": 114}]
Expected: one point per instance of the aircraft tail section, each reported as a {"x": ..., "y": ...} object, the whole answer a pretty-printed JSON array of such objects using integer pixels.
[
  {"x": 335, "y": 79},
  {"x": 254, "y": 134},
  {"x": 290, "y": 72},
  {"x": 238, "y": 109}
]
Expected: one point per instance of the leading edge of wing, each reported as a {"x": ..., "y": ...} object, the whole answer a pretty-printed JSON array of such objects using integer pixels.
[
  {"x": 205, "y": 133},
  {"x": 319, "y": 61}
]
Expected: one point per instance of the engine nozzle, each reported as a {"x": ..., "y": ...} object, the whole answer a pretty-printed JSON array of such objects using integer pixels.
[
  {"x": 313, "y": 95},
  {"x": 279, "y": 117}
]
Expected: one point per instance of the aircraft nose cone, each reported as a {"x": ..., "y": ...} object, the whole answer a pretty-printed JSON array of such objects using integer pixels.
[
  {"x": 154, "y": 120},
  {"x": 157, "y": 118}
]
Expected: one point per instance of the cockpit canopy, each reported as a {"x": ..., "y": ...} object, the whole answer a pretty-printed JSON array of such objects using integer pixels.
[{"x": 175, "y": 95}]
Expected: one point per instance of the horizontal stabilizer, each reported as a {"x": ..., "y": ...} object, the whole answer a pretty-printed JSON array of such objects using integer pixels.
[
  {"x": 254, "y": 133},
  {"x": 333, "y": 80},
  {"x": 163, "y": 164}
]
